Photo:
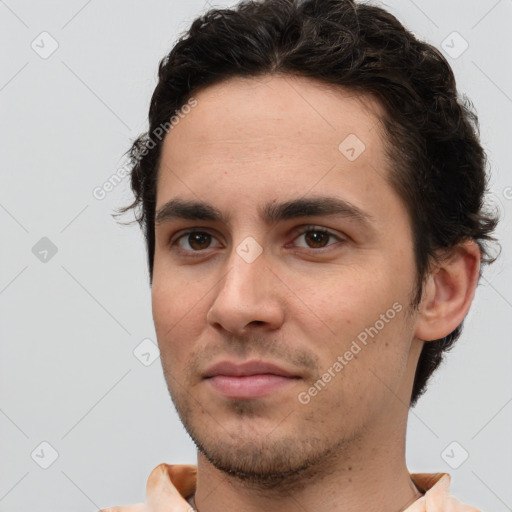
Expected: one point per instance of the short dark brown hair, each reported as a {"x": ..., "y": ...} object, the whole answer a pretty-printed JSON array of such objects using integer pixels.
[{"x": 432, "y": 135}]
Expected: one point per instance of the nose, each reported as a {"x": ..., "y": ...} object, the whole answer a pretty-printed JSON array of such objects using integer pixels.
[{"x": 247, "y": 297}]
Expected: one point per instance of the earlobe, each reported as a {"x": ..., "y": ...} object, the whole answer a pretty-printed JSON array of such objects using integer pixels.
[{"x": 448, "y": 292}]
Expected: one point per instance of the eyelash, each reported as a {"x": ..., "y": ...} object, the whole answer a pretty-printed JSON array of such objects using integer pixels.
[{"x": 306, "y": 229}]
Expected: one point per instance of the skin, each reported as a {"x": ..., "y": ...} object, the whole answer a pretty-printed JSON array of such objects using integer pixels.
[{"x": 300, "y": 304}]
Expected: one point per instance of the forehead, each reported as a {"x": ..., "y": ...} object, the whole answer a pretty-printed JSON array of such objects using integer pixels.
[{"x": 279, "y": 129}]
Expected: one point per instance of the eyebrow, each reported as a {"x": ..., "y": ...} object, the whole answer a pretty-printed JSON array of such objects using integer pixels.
[{"x": 271, "y": 212}]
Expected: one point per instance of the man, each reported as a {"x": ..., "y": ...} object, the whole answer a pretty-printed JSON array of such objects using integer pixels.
[{"x": 310, "y": 189}]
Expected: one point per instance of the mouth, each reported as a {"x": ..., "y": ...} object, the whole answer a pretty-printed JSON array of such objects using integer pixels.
[{"x": 249, "y": 380}]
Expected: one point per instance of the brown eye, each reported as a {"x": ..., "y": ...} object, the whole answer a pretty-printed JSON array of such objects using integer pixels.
[
  {"x": 317, "y": 238},
  {"x": 195, "y": 241},
  {"x": 199, "y": 241}
]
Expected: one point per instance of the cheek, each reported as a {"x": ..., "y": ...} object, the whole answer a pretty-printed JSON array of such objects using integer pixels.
[
  {"x": 172, "y": 295},
  {"x": 176, "y": 308},
  {"x": 362, "y": 315},
  {"x": 355, "y": 388},
  {"x": 348, "y": 299}
]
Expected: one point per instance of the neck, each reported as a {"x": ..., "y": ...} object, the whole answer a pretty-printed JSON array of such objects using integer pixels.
[{"x": 368, "y": 476}]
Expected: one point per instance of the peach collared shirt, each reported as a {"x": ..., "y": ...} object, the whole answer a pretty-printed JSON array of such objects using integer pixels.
[{"x": 169, "y": 486}]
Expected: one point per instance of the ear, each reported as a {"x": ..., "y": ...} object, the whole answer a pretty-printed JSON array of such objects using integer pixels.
[{"x": 448, "y": 292}]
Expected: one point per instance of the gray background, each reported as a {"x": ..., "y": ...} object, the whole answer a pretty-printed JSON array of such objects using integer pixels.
[{"x": 71, "y": 321}]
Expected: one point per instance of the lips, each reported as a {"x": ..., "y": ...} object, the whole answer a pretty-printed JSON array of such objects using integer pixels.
[
  {"x": 250, "y": 380},
  {"x": 248, "y": 368}
]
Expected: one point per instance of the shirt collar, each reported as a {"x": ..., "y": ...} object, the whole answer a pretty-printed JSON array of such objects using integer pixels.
[{"x": 169, "y": 486}]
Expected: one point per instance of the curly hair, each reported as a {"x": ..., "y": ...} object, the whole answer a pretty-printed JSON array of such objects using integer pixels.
[{"x": 432, "y": 135}]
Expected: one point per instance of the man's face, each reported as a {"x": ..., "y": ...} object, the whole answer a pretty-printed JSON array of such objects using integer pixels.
[{"x": 301, "y": 289}]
